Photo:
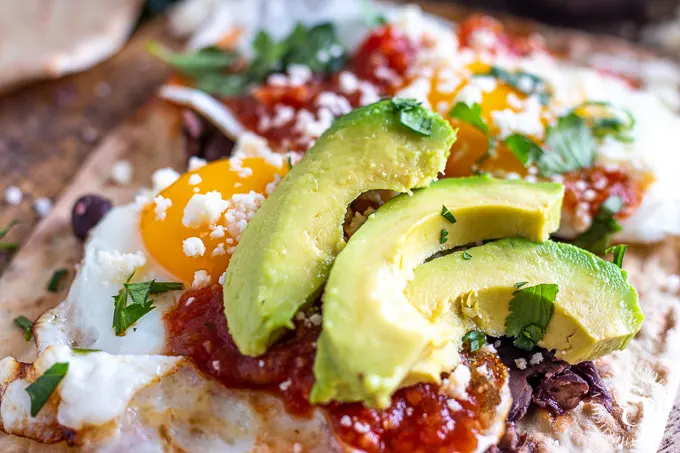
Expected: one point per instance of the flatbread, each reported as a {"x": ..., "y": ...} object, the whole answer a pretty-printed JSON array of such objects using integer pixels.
[{"x": 643, "y": 378}]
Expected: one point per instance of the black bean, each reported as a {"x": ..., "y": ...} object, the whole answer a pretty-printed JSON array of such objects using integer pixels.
[{"x": 87, "y": 211}]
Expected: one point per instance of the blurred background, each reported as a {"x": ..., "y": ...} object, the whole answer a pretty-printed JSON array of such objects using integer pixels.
[{"x": 71, "y": 70}]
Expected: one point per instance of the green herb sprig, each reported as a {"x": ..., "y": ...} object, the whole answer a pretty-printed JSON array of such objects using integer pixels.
[
  {"x": 42, "y": 388},
  {"x": 531, "y": 309},
  {"x": 126, "y": 314}
]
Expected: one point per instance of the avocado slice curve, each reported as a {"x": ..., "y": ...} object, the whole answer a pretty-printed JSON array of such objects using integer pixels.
[
  {"x": 286, "y": 252},
  {"x": 364, "y": 303}
]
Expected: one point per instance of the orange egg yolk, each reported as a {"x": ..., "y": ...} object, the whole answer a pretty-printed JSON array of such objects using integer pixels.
[
  {"x": 163, "y": 236},
  {"x": 472, "y": 144}
]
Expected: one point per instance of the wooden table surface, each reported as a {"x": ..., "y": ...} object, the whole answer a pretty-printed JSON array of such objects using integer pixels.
[{"x": 48, "y": 128}]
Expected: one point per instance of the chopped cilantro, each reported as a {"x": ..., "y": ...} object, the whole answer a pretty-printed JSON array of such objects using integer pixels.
[
  {"x": 475, "y": 340},
  {"x": 212, "y": 69},
  {"x": 473, "y": 116},
  {"x": 569, "y": 146},
  {"x": 524, "y": 148},
  {"x": 605, "y": 119},
  {"x": 26, "y": 325},
  {"x": 290, "y": 162},
  {"x": 467, "y": 256},
  {"x": 9, "y": 246},
  {"x": 57, "y": 275},
  {"x": 413, "y": 115},
  {"x": 124, "y": 314},
  {"x": 518, "y": 285},
  {"x": 597, "y": 238},
  {"x": 525, "y": 82},
  {"x": 443, "y": 236},
  {"x": 83, "y": 351},
  {"x": 530, "y": 311},
  {"x": 41, "y": 389},
  {"x": 619, "y": 252},
  {"x": 448, "y": 215}
]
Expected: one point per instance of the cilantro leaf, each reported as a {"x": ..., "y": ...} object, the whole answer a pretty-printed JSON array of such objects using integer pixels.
[
  {"x": 597, "y": 238},
  {"x": 53, "y": 285},
  {"x": 605, "y": 119},
  {"x": 518, "y": 285},
  {"x": 570, "y": 146},
  {"x": 524, "y": 148},
  {"x": 525, "y": 82},
  {"x": 443, "y": 236},
  {"x": 195, "y": 64},
  {"x": 530, "y": 311},
  {"x": 41, "y": 389},
  {"x": 413, "y": 115},
  {"x": 467, "y": 256},
  {"x": 26, "y": 325},
  {"x": 9, "y": 246},
  {"x": 448, "y": 215},
  {"x": 475, "y": 340},
  {"x": 124, "y": 314},
  {"x": 619, "y": 252},
  {"x": 83, "y": 351},
  {"x": 471, "y": 115},
  {"x": 317, "y": 47}
]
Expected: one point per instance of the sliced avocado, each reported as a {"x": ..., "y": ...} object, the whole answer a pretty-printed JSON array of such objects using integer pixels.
[
  {"x": 287, "y": 249},
  {"x": 596, "y": 310},
  {"x": 373, "y": 339}
]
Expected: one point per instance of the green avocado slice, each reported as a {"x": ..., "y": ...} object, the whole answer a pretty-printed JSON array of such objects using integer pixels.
[
  {"x": 596, "y": 310},
  {"x": 364, "y": 305},
  {"x": 286, "y": 252}
]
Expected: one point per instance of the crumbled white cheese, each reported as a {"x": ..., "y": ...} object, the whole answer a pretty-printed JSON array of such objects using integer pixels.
[
  {"x": 299, "y": 74},
  {"x": 297, "y": 448},
  {"x": 269, "y": 188},
  {"x": 42, "y": 206},
  {"x": 482, "y": 39},
  {"x": 348, "y": 82},
  {"x": 456, "y": 384},
  {"x": 482, "y": 369},
  {"x": 201, "y": 279},
  {"x": 219, "y": 250},
  {"x": 161, "y": 205},
  {"x": 536, "y": 359},
  {"x": 308, "y": 125},
  {"x": 521, "y": 363},
  {"x": 282, "y": 115},
  {"x": 162, "y": 178},
  {"x": 116, "y": 267},
  {"x": 252, "y": 145},
  {"x": 204, "y": 209},
  {"x": 486, "y": 84},
  {"x": 337, "y": 104},
  {"x": 241, "y": 208},
  {"x": 453, "y": 405},
  {"x": 315, "y": 319},
  {"x": 195, "y": 163},
  {"x": 362, "y": 428},
  {"x": 121, "y": 172},
  {"x": 346, "y": 421},
  {"x": 369, "y": 93},
  {"x": 189, "y": 301},
  {"x": 419, "y": 89},
  {"x": 217, "y": 231},
  {"x": 193, "y": 247},
  {"x": 284, "y": 385},
  {"x": 514, "y": 101},
  {"x": 195, "y": 179},
  {"x": 673, "y": 283},
  {"x": 222, "y": 277},
  {"x": 469, "y": 94},
  {"x": 524, "y": 122},
  {"x": 13, "y": 195}
]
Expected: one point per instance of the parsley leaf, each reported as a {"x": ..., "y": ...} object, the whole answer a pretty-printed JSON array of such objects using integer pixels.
[
  {"x": 597, "y": 238},
  {"x": 41, "y": 389},
  {"x": 525, "y": 82},
  {"x": 443, "y": 236},
  {"x": 518, "y": 285},
  {"x": 467, "y": 256},
  {"x": 124, "y": 314},
  {"x": 448, "y": 215},
  {"x": 570, "y": 146},
  {"x": 26, "y": 324},
  {"x": 475, "y": 340},
  {"x": 605, "y": 119},
  {"x": 53, "y": 286},
  {"x": 195, "y": 64},
  {"x": 317, "y": 47},
  {"x": 530, "y": 311},
  {"x": 619, "y": 252},
  {"x": 413, "y": 115},
  {"x": 524, "y": 148},
  {"x": 471, "y": 115}
]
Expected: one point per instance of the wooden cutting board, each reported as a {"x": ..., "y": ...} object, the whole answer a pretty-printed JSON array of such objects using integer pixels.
[{"x": 51, "y": 129}]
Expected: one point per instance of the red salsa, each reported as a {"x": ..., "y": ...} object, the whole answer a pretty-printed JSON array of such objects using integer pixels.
[{"x": 420, "y": 418}]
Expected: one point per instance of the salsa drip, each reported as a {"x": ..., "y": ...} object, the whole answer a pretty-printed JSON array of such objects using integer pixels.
[{"x": 421, "y": 418}]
